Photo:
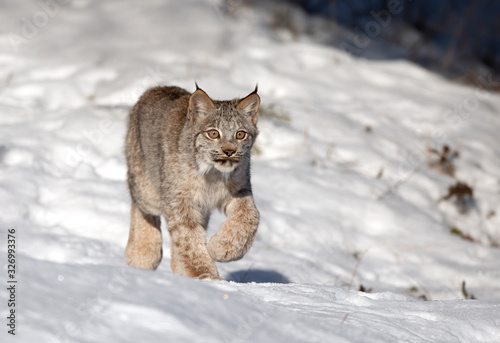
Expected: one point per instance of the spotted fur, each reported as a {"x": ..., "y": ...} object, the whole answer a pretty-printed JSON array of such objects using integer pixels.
[{"x": 177, "y": 171}]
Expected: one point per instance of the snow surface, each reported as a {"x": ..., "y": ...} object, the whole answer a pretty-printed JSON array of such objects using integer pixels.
[{"x": 329, "y": 224}]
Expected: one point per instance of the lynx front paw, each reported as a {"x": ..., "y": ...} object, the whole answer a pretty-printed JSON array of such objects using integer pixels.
[
  {"x": 144, "y": 256},
  {"x": 226, "y": 247},
  {"x": 210, "y": 277}
]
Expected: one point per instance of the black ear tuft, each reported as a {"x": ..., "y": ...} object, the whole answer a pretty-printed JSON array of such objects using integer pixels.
[
  {"x": 255, "y": 90},
  {"x": 196, "y": 84}
]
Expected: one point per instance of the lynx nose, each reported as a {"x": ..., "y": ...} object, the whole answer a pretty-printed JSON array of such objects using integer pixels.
[{"x": 228, "y": 152}]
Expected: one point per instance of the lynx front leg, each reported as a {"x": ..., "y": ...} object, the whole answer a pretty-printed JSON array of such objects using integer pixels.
[
  {"x": 237, "y": 234},
  {"x": 189, "y": 251},
  {"x": 144, "y": 247}
]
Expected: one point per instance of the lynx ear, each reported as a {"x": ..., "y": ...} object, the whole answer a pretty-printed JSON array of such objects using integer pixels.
[
  {"x": 200, "y": 105},
  {"x": 250, "y": 105}
]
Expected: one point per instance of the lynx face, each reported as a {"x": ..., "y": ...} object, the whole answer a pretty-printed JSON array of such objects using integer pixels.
[{"x": 225, "y": 131}]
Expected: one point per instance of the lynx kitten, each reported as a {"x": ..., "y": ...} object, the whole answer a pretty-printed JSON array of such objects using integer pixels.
[{"x": 188, "y": 155}]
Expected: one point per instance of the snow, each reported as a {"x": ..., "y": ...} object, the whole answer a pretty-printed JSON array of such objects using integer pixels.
[{"x": 328, "y": 224}]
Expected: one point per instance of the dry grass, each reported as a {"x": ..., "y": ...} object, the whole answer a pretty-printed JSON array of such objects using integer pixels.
[{"x": 443, "y": 160}]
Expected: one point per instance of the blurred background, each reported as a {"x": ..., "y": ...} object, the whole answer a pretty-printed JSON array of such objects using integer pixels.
[{"x": 459, "y": 39}]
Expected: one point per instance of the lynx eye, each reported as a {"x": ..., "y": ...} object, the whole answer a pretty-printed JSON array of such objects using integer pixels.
[
  {"x": 213, "y": 134},
  {"x": 241, "y": 135}
]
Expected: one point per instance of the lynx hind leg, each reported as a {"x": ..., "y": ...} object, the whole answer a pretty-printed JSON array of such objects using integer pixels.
[{"x": 144, "y": 247}]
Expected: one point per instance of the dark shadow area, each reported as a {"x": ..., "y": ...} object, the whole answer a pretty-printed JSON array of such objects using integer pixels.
[
  {"x": 458, "y": 39},
  {"x": 258, "y": 276}
]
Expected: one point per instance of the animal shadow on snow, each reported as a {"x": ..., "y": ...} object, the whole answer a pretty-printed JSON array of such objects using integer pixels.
[{"x": 257, "y": 276}]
